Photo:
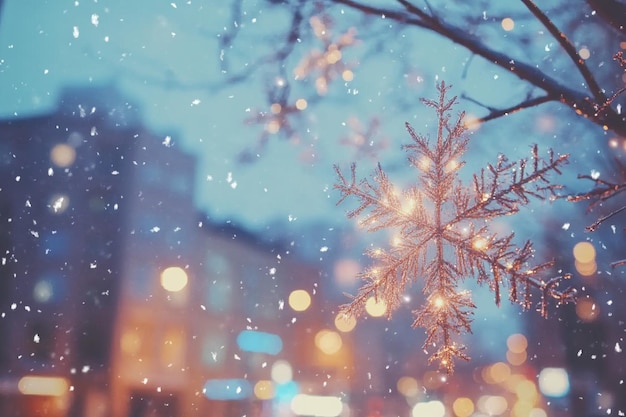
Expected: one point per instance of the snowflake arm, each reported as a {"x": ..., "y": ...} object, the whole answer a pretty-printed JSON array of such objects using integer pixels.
[{"x": 383, "y": 199}]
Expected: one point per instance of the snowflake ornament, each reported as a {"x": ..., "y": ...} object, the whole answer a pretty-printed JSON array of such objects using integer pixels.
[{"x": 444, "y": 236}]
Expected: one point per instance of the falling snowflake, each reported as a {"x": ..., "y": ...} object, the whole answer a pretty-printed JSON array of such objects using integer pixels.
[{"x": 443, "y": 233}]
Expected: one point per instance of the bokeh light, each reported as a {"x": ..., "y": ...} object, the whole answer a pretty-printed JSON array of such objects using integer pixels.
[
  {"x": 496, "y": 373},
  {"x": 537, "y": 412},
  {"x": 62, "y": 155},
  {"x": 522, "y": 408},
  {"x": 276, "y": 108},
  {"x": 585, "y": 258},
  {"x": 43, "y": 291},
  {"x": 345, "y": 270},
  {"x": 282, "y": 372},
  {"x": 429, "y": 408},
  {"x": 508, "y": 24},
  {"x": 273, "y": 126},
  {"x": 131, "y": 342},
  {"x": 316, "y": 405},
  {"x": 264, "y": 390},
  {"x": 43, "y": 385},
  {"x": 284, "y": 393},
  {"x": 299, "y": 300},
  {"x": 375, "y": 308},
  {"x": 517, "y": 343},
  {"x": 586, "y": 269},
  {"x": 527, "y": 391},
  {"x": 174, "y": 279},
  {"x": 584, "y": 252},
  {"x": 260, "y": 342},
  {"x": 328, "y": 341},
  {"x": 584, "y": 53},
  {"x": 516, "y": 358},
  {"x": 301, "y": 104},
  {"x": 408, "y": 386},
  {"x": 587, "y": 310},
  {"x": 463, "y": 407},
  {"x": 554, "y": 382},
  {"x": 492, "y": 405},
  {"x": 344, "y": 323},
  {"x": 227, "y": 389},
  {"x": 513, "y": 381}
]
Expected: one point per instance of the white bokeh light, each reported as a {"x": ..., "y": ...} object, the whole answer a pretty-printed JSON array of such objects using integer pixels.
[{"x": 554, "y": 382}]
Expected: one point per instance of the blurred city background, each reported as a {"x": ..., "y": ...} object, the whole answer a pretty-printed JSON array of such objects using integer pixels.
[{"x": 170, "y": 243}]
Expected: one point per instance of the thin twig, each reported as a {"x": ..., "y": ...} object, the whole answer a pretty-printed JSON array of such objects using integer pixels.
[
  {"x": 618, "y": 263},
  {"x": 495, "y": 113},
  {"x": 596, "y": 224}
]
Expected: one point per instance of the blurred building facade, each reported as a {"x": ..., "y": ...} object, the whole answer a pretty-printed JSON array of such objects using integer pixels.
[{"x": 118, "y": 298}]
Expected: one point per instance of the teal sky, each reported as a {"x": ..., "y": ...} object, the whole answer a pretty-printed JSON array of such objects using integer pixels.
[
  {"x": 165, "y": 57},
  {"x": 56, "y": 44}
]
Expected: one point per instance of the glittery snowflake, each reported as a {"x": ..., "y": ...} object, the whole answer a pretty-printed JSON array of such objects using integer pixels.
[{"x": 443, "y": 234}]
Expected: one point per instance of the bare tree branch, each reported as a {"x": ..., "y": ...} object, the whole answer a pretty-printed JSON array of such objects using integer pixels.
[
  {"x": 495, "y": 113},
  {"x": 565, "y": 43},
  {"x": 603, "y": 191},
  {"x": 580, "y": 102},
  {"x": 618, "y": 263},
  {"x": 596, "y": 224}
]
